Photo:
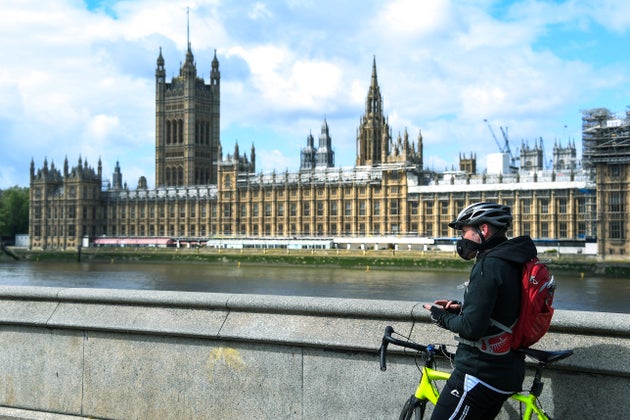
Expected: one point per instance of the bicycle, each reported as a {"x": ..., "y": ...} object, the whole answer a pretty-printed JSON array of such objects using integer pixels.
[{"x": 427, "y": 390}]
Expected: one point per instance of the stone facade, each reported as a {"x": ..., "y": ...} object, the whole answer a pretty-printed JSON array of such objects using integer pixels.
[{"x": 200, "y": 194}]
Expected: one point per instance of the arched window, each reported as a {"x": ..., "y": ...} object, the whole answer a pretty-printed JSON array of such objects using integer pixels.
[{"x": 168, "y": 132}]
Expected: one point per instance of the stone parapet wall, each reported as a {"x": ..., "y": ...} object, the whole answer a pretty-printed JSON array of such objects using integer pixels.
[{"x": 127, "y": 354}]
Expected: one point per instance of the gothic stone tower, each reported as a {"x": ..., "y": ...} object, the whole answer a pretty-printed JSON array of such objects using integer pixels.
[
  {"x": 187, "y": 114},
  {"x": 374, "y": 138},
  {"x": 373, "y": 134}
]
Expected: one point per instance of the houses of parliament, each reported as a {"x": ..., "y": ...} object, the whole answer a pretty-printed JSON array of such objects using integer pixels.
[{"x": 202, "y": 194}]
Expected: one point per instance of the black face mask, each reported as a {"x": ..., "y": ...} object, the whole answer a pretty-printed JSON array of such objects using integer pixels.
[{"x": 468, "y": 249}]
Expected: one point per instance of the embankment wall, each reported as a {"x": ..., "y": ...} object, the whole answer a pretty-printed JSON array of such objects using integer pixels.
[{"x": 124, "y": 354}]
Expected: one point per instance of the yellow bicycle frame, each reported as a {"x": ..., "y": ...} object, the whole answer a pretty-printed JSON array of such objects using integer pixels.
[
  {"x": 426, "y": 388},
  {"x": 530, "y": 406},
  {"x": 428, "y": 391}
]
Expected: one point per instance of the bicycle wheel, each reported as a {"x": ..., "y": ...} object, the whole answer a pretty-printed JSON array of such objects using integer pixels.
[{"x": 413, "y": 409}]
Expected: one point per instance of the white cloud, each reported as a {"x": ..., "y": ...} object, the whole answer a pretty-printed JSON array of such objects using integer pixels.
[
  {"x": 75, "y": 81},
  {"x": 407, "y": 18},
  {"x": 259, "y": 11}
]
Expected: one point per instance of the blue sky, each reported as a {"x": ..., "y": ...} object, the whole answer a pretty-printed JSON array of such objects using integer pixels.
[{"x": 77, "y": 78}]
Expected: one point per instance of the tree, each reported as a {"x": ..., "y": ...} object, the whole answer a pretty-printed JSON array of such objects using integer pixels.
[{"x": 14, "y": 204}]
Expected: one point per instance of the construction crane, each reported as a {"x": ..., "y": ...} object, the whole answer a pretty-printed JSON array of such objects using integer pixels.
[{"x": 506, "y": 147}]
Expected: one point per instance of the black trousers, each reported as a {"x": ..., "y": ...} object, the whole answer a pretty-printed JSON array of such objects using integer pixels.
[{"x": 465, "y": 397}]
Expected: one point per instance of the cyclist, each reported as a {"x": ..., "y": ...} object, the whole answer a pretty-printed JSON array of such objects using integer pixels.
[{"x": 486, "y": 370}]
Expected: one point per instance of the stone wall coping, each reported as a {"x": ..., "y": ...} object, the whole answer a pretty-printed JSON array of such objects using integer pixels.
[{"x": 564, "y": 321}]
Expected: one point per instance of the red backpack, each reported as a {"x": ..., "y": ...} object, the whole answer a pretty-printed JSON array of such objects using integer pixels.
[{"x": 537, "y": 290}]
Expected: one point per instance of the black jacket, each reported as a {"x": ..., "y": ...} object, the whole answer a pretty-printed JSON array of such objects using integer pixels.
[{"x": 493, "y": 291}]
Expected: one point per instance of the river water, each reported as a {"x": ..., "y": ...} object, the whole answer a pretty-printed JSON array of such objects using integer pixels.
[{"x": 588, "y": 294}]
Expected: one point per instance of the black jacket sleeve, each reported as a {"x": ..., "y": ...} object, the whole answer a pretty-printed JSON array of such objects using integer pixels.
[{"x": 479, "y": 300}]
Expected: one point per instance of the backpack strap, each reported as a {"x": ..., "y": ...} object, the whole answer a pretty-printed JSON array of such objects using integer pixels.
[
  {"x": 496, "y": 345},
  {"x": 501, "y": 326}
]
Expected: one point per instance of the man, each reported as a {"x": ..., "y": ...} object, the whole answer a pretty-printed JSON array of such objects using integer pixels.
[{"x": 486, "y": 370}]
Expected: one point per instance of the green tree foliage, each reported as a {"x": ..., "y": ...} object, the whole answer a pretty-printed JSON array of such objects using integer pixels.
[{"x": 14, "y": 203}]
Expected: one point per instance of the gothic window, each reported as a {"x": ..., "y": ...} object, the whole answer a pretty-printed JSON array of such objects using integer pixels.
[
  {"x": 562, "y": 230},
  {"x": 614, "y": 171},
  {"x": 616, "y": 201},
  {"x": 581, "y": 205},
  {"x": 393, "y": 207},
  {"x": 544, "y": 206},
  {"x": 562, "y": 205},
  {"x": 544, "y": 230},
  {"x": 376, "y": 209},
  {"x": 413, "y": 207},
  {"x": 443, "y": 207}
]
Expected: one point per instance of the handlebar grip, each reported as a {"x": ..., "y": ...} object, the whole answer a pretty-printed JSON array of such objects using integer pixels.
[{"x": 383, "y": 349}]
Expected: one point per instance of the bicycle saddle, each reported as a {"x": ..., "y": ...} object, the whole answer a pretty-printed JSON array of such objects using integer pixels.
[{"x": 547, "y": 356}]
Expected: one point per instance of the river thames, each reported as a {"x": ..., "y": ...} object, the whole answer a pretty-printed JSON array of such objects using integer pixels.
[{"x": 600, "y": 294}]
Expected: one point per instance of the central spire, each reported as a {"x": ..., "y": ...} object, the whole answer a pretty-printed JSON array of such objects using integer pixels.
[
  {"x": 190, "y": 59},
  {"x": 188, "y": 27},
  {"x": 373, "y": 103}
]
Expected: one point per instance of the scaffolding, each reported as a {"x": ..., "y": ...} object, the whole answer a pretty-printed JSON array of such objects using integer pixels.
[{"x": 605, "y": 137}]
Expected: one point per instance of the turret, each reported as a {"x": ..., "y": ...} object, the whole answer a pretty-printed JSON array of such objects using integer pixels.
[
  {"x": 160, "y": 72},
  {"x": 215, "y": 75}
]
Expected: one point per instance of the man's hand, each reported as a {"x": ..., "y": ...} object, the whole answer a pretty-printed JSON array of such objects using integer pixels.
[
  {"x": 437, "y": 314},
  {"x": 451, "y": 306}
]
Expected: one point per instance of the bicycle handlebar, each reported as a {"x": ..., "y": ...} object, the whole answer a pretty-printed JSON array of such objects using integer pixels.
[
  {"x": 541, "y": 356},
  {"x": 430, "y": 349}
]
